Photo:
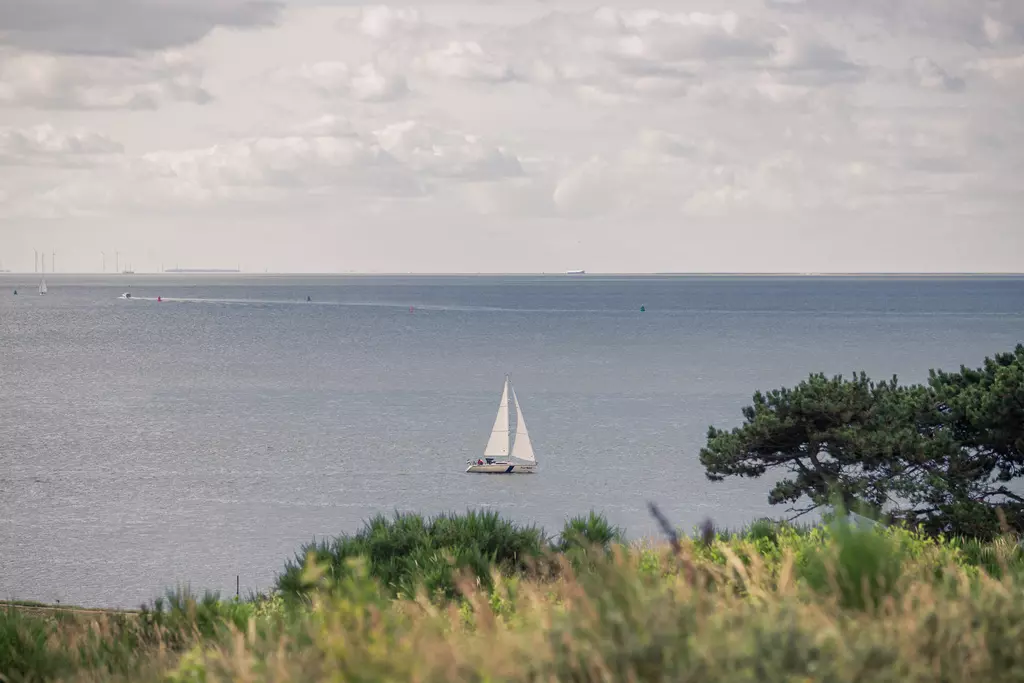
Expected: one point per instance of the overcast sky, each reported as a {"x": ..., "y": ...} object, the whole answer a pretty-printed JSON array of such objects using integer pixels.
[{"x": 760, "y": 135}]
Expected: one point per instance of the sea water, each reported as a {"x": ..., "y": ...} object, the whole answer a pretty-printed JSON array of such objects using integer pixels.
[{"x": 148, "y": 443}]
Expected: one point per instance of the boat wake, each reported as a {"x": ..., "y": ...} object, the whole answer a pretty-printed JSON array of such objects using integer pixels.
[
  {"x": 691, "y": 311},
  {"x": 365, "y": 304}
]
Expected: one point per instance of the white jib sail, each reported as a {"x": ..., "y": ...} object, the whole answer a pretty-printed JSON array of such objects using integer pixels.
[
  {"x": 497, "y": 445},
  {"x": 522, "y": 449}
]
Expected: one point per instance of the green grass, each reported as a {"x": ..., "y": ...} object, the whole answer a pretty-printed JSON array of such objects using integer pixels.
[
  {"x": 475, "y": 597},
  {"x": 40, "y": 605},
  {"x": 23, "y": 603}
]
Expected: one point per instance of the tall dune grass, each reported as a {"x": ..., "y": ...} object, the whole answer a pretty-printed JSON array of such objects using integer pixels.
[{"x": 776, "y": 603}]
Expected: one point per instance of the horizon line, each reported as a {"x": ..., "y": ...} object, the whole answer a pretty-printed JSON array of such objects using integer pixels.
[{"x": 572, "y": 275}]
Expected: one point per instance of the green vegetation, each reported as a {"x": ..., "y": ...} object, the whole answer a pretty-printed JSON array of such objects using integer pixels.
[
  {"x": 409, "y": 552},
  {"x": 937, "y": 456},
  {"x": 774, "y": 602},
  {"x": 938, "y": 596}
]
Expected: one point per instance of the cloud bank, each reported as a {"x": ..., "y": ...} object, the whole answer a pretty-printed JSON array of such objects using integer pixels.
[{"x": 808, "y": 134}]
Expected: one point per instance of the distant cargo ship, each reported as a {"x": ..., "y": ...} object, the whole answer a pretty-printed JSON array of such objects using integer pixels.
[
  {"x": 202, "y": 270},
  {"x": 575, "y": 272}
]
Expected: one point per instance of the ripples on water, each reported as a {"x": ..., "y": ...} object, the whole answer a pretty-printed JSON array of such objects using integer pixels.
[{"x": 208, "y": 435}]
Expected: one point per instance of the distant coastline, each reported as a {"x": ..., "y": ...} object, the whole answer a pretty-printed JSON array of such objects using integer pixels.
[{"x": 560, "y": 274}]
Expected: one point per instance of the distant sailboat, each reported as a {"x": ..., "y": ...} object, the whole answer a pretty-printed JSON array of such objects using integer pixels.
[
  {"x": 500, "y": 446},
  {"x": 42, "y": 281}
]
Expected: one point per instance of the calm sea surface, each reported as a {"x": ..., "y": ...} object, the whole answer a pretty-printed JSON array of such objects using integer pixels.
[{"x": 143, "y": 444}]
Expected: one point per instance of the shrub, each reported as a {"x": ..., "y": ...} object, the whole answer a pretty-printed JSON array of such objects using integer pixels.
[{"x": 407, "y": 550}]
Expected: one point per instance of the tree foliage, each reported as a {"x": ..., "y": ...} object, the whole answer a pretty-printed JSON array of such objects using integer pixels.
[{"x": 942, "y": 454}]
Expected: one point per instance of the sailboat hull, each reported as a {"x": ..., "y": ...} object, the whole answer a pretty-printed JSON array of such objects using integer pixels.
[{"x": 501, "y": 468}]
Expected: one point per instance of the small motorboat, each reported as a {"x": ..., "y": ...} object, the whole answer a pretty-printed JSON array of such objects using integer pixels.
[{"x": 126, "y": 295}]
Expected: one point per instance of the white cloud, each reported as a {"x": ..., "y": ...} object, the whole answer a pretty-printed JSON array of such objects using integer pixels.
[
  {"x": 48, "y": 81},
  {"x": 1000, "y": 31},
  {"x": 328, "y": 125},
  {"x": 542, "y": 121},
  {"x": 977, "y": 22},
  {"x": 1002, "y": 70},
  {"x": 382, "y": 21},
  {"x": 616, "y": 56},
  {"x": 464, "y": 60},
  {"x": 365, "y": 83},
  {"x": 807, "y": 58},
  {"x": 44, "y": 144},
  {"x": 447, "y": 154},
  {"x": 243, "y": 169},
  {"x": 653, "y": 146},
  {"x": 717, "y": 199},
  {"x": 652, "y": 38},
  {"x": 516, "y": 197},
  {"x": 589, "y": 189},
  {"x": 323, "y": 156},
  {"x": 368, "y": 83}
]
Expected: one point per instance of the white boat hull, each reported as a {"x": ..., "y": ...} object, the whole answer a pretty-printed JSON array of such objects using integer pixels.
[{"x": 501, "y": 468}]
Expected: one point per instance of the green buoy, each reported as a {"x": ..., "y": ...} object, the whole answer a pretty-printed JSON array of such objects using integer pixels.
[{"x": 642, "y": 309}]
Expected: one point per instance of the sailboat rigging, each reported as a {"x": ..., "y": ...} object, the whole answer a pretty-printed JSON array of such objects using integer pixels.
[{"x": 504, "y": 454}]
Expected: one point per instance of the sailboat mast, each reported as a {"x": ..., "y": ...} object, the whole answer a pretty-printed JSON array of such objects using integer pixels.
[
  {"x": 508, "y": 411},
  {"x": 508, "y": 414}
]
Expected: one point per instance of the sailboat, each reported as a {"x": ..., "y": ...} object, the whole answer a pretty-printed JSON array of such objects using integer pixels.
[
  {"x": 42, "y": 281},
  {"x": 503, "y": 454}
]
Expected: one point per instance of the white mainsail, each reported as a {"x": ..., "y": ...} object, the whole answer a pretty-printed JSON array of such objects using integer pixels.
[
  {"x": 497, "y": 445},
  {"x": 42, "y": 286},
  {"x": 522, "y": 449}
]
